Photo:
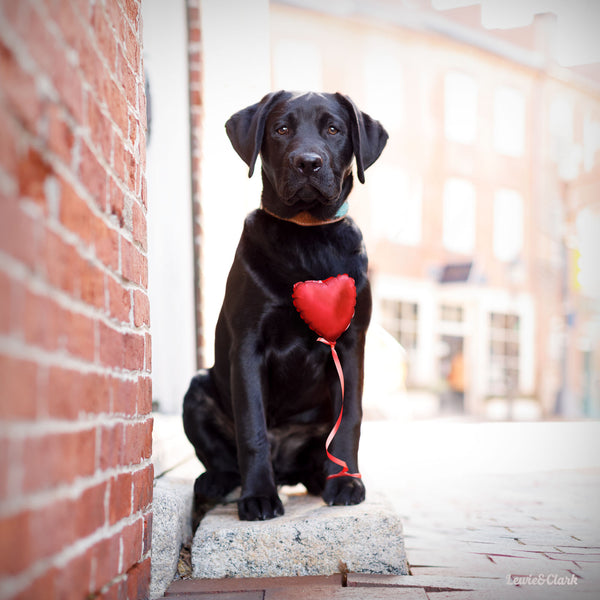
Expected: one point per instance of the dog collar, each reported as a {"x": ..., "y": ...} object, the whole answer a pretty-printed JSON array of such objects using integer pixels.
[{"x": 305, "y": 219}]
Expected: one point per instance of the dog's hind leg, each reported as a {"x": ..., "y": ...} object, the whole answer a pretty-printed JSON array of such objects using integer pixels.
[{"x": 212, "y": 435}]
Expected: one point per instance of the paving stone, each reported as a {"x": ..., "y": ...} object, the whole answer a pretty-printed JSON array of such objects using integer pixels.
[
  {"x": 500, "y": 593},
  {"x": 310, "y": 539},
  {"x": 256, "y": 595},
  {"x": 428, "y": 583},
  {"x": 171, "y": 527},
  {"x": 188, "y": 586},
  {"x": 345, "y": 593}
]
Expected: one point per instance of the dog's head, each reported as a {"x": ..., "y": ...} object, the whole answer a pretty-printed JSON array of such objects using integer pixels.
[{"x": 307, "y": 143}]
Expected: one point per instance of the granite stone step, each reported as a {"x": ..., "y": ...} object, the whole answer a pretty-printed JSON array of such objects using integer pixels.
[{"x": 310, "y": 539}]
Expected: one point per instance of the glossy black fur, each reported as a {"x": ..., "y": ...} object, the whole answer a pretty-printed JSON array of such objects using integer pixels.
[{"x": 260, "y": 416}]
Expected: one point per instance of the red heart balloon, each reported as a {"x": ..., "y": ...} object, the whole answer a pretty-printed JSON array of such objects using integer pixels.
[{"x": 326, "y": 306}]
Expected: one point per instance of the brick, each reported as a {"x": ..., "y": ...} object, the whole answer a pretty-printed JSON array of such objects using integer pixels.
[
  {"x": 132, "y": 543},
  {"x": 127, "y": 79},
  {"x": 19, "y": 233},
  {"x": 141, "y": 309},
  {"x": 144, "y": 193},
  {"x": 62, "y": 263},
  {"x": 74, "y": 213},
  {"x": 93, "y": 69},
  {"x": 144, "y": 396},
  {"x": 89, "y": 512},
  {"x": 72, "y": 582},
  {"x": 106, "y": 243},
  {"x": 117, "y": 106},
  {"x": 100, "y": 129},
  {"x": 134, "y": 347},
  {"x": 5, "y": 468},
  {"x": 104, "y": 36},
  {"x": 132, "y": 47},
  {"x": 116, "y": 198},
  {"x": 148, "y": 347},
  {"x": 10, "y": 140},
  {"x": 79, "y": 330},
  {"x": 51, "y": 58},
  {"x": 60, "y": 515},
  {"x": 115, "y": 591},
  {"x": 138, "y": 442},
  {"x": 147, "y": 539},
  {"x": 93, "y": 174},
  {"x": 132, "y": 10},
  {"x": 41, "y": 588},
  {"x": 60, "y": 136},
  {"x": 112, "y": 446},
  {"x": 115, "y": 17},
  {"x": 71, "y": 394},
  {"x": 44, "y": 322},
  {"x": 119, "y": 301},
  {"x": 69, "y": 25},
  {"x": 142, "y": 489},
  {"x": 131, "y": 170},
  {"x": 19, "y": 90},
  {"x": 18, "y": 392},
  {"x": 119, "y": 505},
  {"x": 58, "y": 458},
  {"x": 15, "y": 547},
  {"x": 91, "y": 281},
  {"x": 118, "y": 163},
  {"x": 140, "y": 233},
  {"x": 105, "y": 562},
  {"x": 133, "y": 264},
  {"x": 124, "y": 394},
  {"x": 32, "y": 171},
  {"x": 138, "y": 580}
]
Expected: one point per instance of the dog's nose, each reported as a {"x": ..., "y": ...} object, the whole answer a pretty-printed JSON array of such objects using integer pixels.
[{"x": 307, "y": 162}]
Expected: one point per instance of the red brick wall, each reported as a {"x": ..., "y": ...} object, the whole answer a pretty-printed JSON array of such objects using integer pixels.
[{"x": 75, "y": 354}]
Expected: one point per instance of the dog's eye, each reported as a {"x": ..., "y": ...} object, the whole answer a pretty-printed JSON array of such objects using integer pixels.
[
  {"x": 283, "y": 130},
  {"x": 332, "y": 130}
]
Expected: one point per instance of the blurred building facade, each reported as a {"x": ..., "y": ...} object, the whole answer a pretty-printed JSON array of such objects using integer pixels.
[{"x": 480, "y": 215}]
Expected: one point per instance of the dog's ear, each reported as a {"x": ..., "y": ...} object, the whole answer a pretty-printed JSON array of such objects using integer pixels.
[
  {"x": 246, "y": 128},
  {"x": 368, "y": 136}
]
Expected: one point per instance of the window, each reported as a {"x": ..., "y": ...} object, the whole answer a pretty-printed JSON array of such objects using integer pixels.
[
  {"x": 460, "y": 108},
  {"x": 508, "y": 224},
  {"x": 459, "y": 216},
  {"x": 451, "y": 313},
  {"x": 504, "y": 354},
  {"x": 509, "y": 122},
  {"x": 397, "y": 204},
  {"x": 401, "y": 320}
]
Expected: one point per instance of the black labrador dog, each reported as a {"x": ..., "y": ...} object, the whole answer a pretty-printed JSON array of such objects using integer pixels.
[{"x": 260, "y": 416}]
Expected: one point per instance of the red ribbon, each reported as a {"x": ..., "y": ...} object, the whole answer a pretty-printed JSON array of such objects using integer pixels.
[{"x": 345, "y": 472}]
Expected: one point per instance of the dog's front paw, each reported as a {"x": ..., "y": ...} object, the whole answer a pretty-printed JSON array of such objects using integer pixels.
[
  {"x": 260, "y": 508},
  {"x": 344, "y": 491},
  {"x": 213, "y": 486}
]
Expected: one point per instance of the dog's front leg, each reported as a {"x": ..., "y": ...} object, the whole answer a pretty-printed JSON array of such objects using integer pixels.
[
  {"x": 346, "y": 490},
  {"x": 259, "y": 499}
]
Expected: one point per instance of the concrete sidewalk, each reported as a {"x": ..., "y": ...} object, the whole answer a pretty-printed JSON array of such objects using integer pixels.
[{"x": 490, "y": 510}]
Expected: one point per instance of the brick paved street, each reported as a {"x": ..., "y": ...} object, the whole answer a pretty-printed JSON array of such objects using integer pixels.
[{"x": 490, "y": 511}]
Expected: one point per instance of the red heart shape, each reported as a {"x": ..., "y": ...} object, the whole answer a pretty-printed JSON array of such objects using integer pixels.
[{"x": 326, "y": 306}]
